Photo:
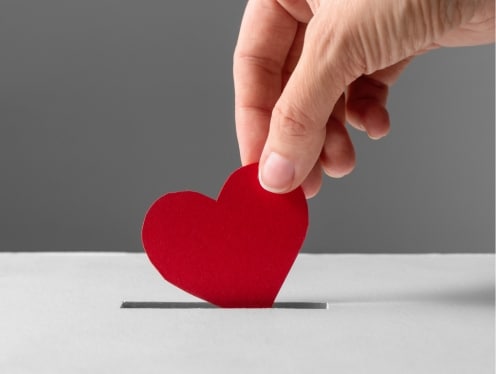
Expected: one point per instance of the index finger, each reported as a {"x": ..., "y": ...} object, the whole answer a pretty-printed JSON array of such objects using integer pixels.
[{"x": 265, "y": 38}]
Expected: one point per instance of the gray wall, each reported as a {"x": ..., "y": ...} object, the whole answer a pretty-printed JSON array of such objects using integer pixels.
[{"x": 106, "y": 105}]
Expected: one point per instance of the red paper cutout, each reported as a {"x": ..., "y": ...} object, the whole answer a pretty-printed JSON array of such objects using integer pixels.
[{"x": 234, "y": 252}]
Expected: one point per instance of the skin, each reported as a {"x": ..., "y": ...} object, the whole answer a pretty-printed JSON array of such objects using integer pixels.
[{"x": 303, "y": 69}]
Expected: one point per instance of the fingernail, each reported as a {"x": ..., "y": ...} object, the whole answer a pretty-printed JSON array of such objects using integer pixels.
[
  {"x": 376, "y": 136},
  {"x": 277, "y": 174}
]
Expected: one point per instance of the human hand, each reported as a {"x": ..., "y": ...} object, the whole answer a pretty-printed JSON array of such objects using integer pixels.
[{"x": 302, "y": 69}]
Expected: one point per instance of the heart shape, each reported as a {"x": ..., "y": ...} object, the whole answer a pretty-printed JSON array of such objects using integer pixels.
[{"x": 234, "y": 252}]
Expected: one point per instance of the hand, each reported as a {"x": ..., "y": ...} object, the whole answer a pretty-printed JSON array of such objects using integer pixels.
[{"x": 302, "y": 69}]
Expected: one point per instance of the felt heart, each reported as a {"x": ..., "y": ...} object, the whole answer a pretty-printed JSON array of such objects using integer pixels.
[{"x": 234, "y": 252}]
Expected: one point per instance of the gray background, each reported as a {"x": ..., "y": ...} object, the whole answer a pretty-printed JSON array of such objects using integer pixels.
[{"x": 106, "y": 105}]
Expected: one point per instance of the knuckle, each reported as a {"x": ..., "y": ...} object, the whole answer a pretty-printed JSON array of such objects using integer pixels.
[
  {"x": 450, "y": 13},
  {"x": 293, "y": 123},
  {"x": 331, "y": 44},
  {"x": 263, "y": 64}
]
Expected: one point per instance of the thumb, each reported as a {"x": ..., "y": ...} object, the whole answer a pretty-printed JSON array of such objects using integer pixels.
[{"x": 298, "y": 123}]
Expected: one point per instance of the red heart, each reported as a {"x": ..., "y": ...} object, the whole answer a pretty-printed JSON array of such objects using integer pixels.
[{"x": 234, "y": 252}]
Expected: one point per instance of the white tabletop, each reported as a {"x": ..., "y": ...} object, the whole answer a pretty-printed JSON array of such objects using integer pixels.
[{"x": 60, "y": 313}]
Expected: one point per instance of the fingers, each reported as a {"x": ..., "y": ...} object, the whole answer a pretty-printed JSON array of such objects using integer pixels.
[
  {"x": 293, "y": 54},
  {"x": 338, "y": 155},
  {"x": 289, "y": 80},
  {"x": 312, "y": 184},
  {"x": 366, "y": 106},
  {"x": 258, "y": 65},
  {"x": 298, "y": 124},
  {"x": 366, "y": 100},
  {"x": 299, "y": 9}
]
